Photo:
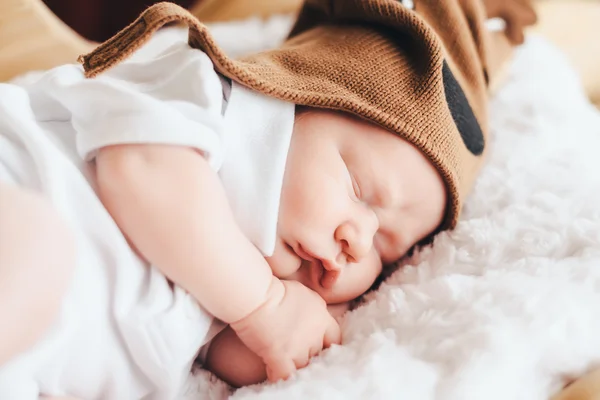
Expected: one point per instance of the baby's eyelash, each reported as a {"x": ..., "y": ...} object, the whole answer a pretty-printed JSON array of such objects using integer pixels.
[{"x": 355, "y": 186}]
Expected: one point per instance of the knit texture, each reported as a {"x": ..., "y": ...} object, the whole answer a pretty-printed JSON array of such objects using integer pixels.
[{"x": 421, "y": 73}]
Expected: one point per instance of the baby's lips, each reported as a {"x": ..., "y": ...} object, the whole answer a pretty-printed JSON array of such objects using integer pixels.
[
  {"x": 331, "y": 272},
  {"x": 329, "y": 278}
]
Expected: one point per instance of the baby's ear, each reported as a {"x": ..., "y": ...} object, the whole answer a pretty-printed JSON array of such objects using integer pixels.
[{"x": 518, "y": 15}]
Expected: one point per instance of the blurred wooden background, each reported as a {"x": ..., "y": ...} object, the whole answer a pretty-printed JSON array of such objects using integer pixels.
[{"x": 98, "y": 20}]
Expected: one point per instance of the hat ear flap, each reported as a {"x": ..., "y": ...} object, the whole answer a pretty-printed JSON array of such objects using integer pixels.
[
  {"x": 462, "y": 113},
  {"x": 131, "y": 38}
]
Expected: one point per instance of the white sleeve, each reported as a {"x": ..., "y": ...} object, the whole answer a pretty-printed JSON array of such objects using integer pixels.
[{"x": 175, "y": 98}]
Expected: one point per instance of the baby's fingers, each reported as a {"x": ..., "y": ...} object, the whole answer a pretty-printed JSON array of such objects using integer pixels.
[
  {"x": 333, "y": 334},
  {"x": 279, "y": 368}
]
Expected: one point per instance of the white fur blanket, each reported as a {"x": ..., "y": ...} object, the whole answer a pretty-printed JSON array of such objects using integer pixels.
[{"x": 508, "y": 305}]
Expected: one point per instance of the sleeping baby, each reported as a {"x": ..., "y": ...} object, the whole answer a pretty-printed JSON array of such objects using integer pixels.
[{"x": 145, "y": 210}]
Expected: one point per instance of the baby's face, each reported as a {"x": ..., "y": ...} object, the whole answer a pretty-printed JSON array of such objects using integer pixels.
[{"x": 354, "y": 197}]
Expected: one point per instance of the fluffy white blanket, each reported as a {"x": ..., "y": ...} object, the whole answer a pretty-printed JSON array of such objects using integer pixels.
[{"x": 508, "y": 305}]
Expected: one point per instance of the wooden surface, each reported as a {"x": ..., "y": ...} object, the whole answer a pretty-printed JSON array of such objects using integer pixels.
[
  {"x": 98, "y": 20},
  {"x": 227, "y": 10},
  {"x": 32, "y": 38}
]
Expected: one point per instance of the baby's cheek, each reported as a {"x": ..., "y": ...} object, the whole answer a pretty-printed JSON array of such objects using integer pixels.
[{"x": 358, "y": 279}]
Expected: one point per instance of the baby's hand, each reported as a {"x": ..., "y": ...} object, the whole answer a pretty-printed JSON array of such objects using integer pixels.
[{"x": 290, "y": 327}]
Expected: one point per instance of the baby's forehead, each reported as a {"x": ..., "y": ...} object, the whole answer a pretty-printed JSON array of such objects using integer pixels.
[{"x": 355, "y": 129}]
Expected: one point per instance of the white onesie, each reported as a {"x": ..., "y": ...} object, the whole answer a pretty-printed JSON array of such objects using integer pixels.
[{"x": 124, "y": 331}]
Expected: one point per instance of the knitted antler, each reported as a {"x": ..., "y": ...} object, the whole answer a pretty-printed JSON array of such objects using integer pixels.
[{"x": 518, "y": 15}]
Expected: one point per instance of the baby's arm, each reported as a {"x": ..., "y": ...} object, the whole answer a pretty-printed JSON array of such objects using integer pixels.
[
  {"x": 230, "y": 360},
  {"x": 172, "y": 207}
]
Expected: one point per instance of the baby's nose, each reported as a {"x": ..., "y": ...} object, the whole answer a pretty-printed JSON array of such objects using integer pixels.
[
  {"x": 355, "y": 236},
  {"x": 356, "y": 244},
  {"x": 359, "y": 249}
]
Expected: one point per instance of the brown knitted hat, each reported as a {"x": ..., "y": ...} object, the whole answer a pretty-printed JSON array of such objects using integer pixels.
[{"x": 420, "y": 73}]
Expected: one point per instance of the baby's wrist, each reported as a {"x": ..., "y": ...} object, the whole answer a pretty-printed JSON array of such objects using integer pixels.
[{"x": 273, "y": 297}]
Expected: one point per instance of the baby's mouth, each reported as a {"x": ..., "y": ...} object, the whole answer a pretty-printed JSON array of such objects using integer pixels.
[
  {"x": 319, "y": 274},
  {"x": 329, "y": 278},
  {"x": 322, "y": 276},
  {"x": 316, "y": 272}
]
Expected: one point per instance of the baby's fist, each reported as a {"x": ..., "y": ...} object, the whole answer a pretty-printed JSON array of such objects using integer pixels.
[{"x": 289, "y": 328}]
